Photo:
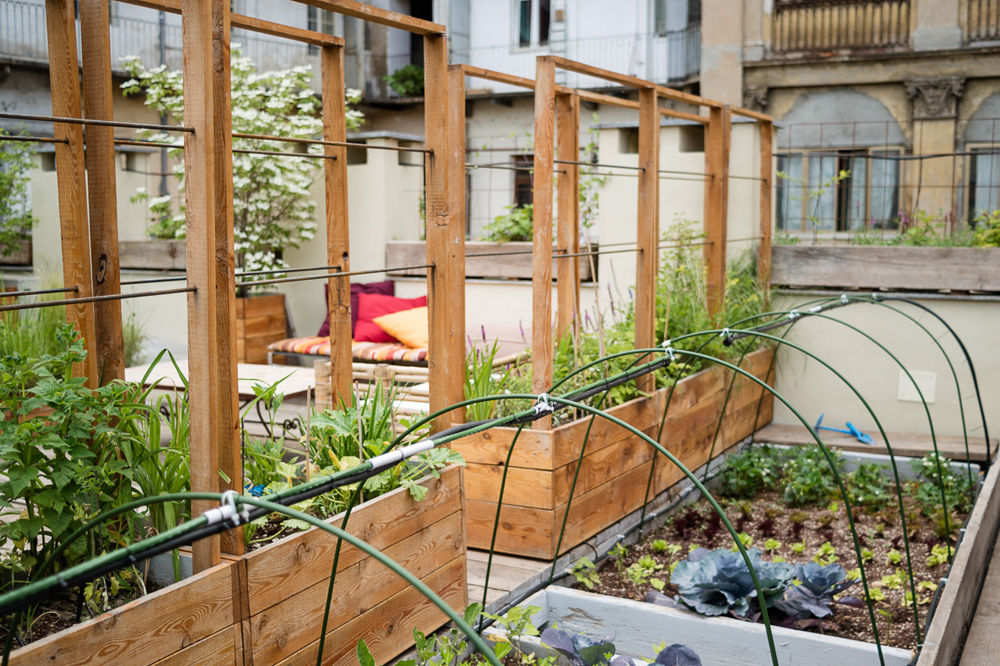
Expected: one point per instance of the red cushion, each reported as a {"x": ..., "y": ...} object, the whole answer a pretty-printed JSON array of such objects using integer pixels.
[
  {"x": 387, "y": 287},
  {"x": 376, "y": 305}
]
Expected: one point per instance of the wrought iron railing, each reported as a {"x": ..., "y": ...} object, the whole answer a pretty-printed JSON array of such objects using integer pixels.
[{"x": 830, "y": 25}]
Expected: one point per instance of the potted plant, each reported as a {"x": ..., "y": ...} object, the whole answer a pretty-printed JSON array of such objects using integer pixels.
[
  {"x": 16, "y": 218},
  {"x": 272, "y": 206}
]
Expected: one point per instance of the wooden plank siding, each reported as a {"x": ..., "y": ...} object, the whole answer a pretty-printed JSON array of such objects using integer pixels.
[{"x": 615, "y": 467}]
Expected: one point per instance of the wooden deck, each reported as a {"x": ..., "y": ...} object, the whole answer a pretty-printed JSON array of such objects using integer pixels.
[
  {"x": 982, "y": 645},
  {"x": 903, "y": 444},
  {"x": 508, "y": 574}
]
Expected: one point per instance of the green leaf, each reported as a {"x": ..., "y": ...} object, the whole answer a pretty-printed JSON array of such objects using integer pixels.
[{"x": 365, "y": 657}]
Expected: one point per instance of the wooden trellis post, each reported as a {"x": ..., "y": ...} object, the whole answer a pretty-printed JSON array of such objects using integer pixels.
[
  {"x": 647, "y": 227},
  {"x": 567, "y": 108},
  {"x": 337, "y": 226},
  {"x": 445, "y": 242},
  {"x": 716, "y": 205},
  {"x": 541, "y": 276},
  {"x": 456, "y": 187},
  {"x": 75, "y": 235},
  {"x": 766, "y": 172},
  {"x": 95, "y": 37},
  {"x": 211, "y": 308}
]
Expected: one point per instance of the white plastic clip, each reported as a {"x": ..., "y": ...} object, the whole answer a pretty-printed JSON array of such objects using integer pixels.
[
  {"x": 816, "y": 308},
  {"x": 844, "y": 299},
  {"x": 725, "y": 333},
  {"x": 668, "y": 350},
  {"x": 227, "y": 511},
  {"x": 544, "y": 405},
  {"x": 793, "y": 314}
]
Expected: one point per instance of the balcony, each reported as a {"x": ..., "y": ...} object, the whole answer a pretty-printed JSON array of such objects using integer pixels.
[
  {"x": 982, "y": 20},
  {"x": 23, "y": 38},
  {"x": 818, "y": 26}
]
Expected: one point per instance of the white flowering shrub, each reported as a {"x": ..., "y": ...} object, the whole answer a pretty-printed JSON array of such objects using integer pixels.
[{"x": 272, "y": 209}]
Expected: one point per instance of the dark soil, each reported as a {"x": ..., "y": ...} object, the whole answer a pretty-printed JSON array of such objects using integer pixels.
[{"x": 767, "y": 517}]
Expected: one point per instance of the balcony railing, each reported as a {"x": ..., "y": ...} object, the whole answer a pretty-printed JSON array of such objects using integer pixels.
[
  {"x": 23, "y": 37},
  {"x": 832, "y": 25},
  {"x": 982, "y": 20}
]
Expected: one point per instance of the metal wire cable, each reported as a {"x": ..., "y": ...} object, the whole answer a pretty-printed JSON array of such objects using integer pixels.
[
  {"x": 92, "y": 299},
  {"x": 92, "y": 121}
]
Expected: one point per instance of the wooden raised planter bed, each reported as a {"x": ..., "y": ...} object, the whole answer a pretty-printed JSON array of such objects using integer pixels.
[
  {"x": 21, "y": 256},
  {"x": 515, "y": 264},
  {"x": 612, "y": 480},
  {"x": 895, "y": 267},
  {"x": 266, "y": 607},
  {"x": 260, "y": 320},
  {"x": 153, "y": 254}
]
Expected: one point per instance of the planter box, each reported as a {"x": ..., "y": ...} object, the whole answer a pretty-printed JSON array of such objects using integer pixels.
[
  {"x": 21, "y": 256},
  {"x": 612, "y": 480},
  {"x": 874, "y": 267},
  {"x": 163, "y": 255},
  {"x": 718, "y": 641},
  {"x": 260, "y": 320},
  {"x": 267, "y": 606},
  {"x": 515, "y": 264}
]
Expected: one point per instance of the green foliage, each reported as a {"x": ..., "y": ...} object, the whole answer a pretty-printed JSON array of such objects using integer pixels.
[
  {"x": 987, "y": 229},
  {"x": 826, "y": 554},
  {"x": 754, "y": 469},
  {"x": 481, "y": 379},
  {"x": 808, "y": 478},
  {"x": 16, "y": 218},
  {"x": 718, "y": 581},
  {"x": 407, "y": 81},
  {"x": 32, "y": 333},
  {"x": 940, "y": 554},
  {"x": 867, "y": 485},
  {"x": 640, "y": 571},
  {"x": 514, "y": 225},
  {"x": 936, "y": 473},
  {"x": 585, "y": 573},
  {"x": 272, "y": 208},
  {"x": 133, "y": 338},
  {"x": 813, "y": 195}
]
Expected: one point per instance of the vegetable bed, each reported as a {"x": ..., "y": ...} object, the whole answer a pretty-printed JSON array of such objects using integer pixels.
[{"x": 787, "y": 509}]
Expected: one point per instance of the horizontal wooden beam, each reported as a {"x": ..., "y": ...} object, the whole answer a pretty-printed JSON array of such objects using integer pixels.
[
  {"x": 529, "y": 84},
  {"x": 684, "y": 115},
  {"x": 251, "y": 23},
  {"x": 601, "y": 98},
  {"x": 756, "y": 115},
  {"x": 378, "y": 15},
  {"x": 606, "y": 74},
  {"x": 678, "y": 96}
]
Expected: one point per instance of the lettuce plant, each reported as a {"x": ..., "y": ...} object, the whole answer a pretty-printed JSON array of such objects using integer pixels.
[{"x": 718, "y": 582}]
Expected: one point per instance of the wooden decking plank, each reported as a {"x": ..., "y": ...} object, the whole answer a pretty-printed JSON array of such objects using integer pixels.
[
  {"x": 982, "y": 644},
  {"x": 903, "y": 444}
]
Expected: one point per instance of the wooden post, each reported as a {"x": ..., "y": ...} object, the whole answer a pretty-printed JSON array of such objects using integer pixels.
[
  {"x": 71, "y": 181},
  {"x": 445, "y": 243},
  {"x": 716, "y": 205},
  {"x": 226, "y": 426},
  {"x": 647, "y": 227},
  {"x": 766, "y": 174},
  {"x": 541, "y": 279},
  {"x": 95, "y": 40},
  {"x": 457, "y": 183},
  {"x": 568, "y": 226},
  {"x": 337, "y": 227},
  {"x": 211, "y": 372}
]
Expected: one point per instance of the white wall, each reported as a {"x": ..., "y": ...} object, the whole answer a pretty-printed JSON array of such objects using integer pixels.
[{"x": 814, "y": 390}]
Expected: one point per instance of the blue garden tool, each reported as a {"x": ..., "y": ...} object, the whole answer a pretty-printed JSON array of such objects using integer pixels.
[{"x": 851, "y": 430}]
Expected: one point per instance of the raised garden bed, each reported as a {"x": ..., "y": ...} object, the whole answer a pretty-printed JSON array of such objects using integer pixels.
[
  {"x": 153, "y": 254},
  {"x": 790, "y": 525},
  {"x": 267, "y": 606},
  {"x": 875, "y": 267},
  {"x": 612, "y": 479}
]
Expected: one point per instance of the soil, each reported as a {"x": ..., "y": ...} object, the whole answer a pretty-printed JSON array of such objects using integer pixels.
[{"x": 767, "y": 517}]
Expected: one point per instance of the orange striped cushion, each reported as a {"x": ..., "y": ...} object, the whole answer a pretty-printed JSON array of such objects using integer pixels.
[{"x": 360, "y": 351}]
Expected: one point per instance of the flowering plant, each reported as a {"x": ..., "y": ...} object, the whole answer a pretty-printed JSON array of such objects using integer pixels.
[{"x": 272, "y": 208}]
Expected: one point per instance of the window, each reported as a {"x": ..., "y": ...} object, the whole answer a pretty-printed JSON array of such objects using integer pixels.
[
  {"x": 320, "y": 20},
  {"x": 984, "y": 172},
  {"x": 523, "y": 183},
  {"x": 532, "y": 29},
  {"x": 813, "y": 195}
]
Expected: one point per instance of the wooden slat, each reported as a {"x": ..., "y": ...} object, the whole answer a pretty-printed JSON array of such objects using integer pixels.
[
  {"x": 457, "y": 193},
  {"x": 647, "y": 264},
  {"x": 388, "y": 628},
  {"x": 683, "y": 115},
  {"x": 943, "y": 639},
  {"x": 150, "y": 628},
  {"x": 766, "y": 183},
  {"x": 294, "y": 623},
  {"x": 903, "y": 444},
  {"x": 337, "y": 227},
  {"x": 568, "y": 225},
  {"x": 912, "y": 268},
  {"x": 716, "y": 206},
  {"x": 223, "y": 357},
  {"x": 223, "y": 648},
  {"x": 95, "y": 40},
  {"x": 541, "y": 291},
  {"x": 600, "y": 73},
  {"x": 445, "y": 244},
  {"x": 529, "y": 84},
  {"x": 203, "y": 180},
  {"x": 71, "y": 181},
  {"x": 280, "y": 569},
  {"x": 381, "y": 16}
]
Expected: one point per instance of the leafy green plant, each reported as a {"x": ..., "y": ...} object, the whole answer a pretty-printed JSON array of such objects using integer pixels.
[
  {"x": 133, "y": 338},
  {"x": 718, "y": 582},
  {"x": 640, "y": 571},
  {"x": 936, "y": 473},
  {"x": 826, "y": 554},
  {"x": 407, "y": 81},
  {"x": 987, "y": 229},
  {"x": 514, "y": 225},
  {"x": 772, "y": 545},
  {"x": 16, "y": 217},
  {"x": 940, "y": 554},
  {"x": 868, "y": 486},
  {"x": 585, "y": 573},
  {"x": 481, "y": 379},
  {"x": 894, "y": 557},
  {"x": 747, "y": 473},
  {"x": 808, "y": 479}
]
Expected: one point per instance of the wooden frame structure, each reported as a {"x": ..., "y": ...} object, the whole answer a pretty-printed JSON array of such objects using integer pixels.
[{"x": 90, "y": 251}]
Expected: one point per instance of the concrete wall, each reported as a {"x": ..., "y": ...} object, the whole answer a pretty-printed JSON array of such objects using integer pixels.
[{"x": 814, "y": 390}]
